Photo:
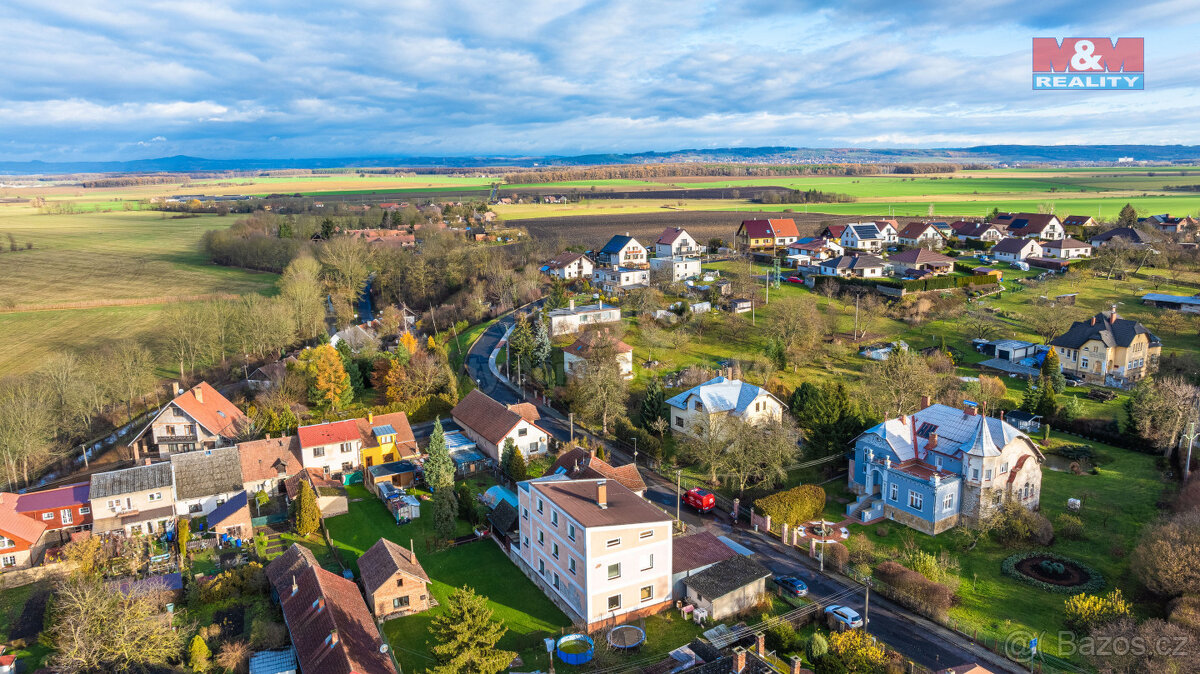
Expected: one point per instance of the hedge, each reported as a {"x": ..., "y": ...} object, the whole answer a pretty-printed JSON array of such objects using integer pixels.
[
  {"x": 794, "y": 506},
  {"x": 948, "y": 282},
  {"x": 914, "y": 590},
  {"x": 1009, "y": 568}
]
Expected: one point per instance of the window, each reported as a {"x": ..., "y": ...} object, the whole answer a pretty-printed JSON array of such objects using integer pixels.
[
  {"x": 571, "y": 565},
  {"x": 522, "y": 432},
  {"x": 541, "y": 505},
  {"x": 554, "y": 518},
  {"x": 614, "y": 571},
  {"x": 647, "y": 562},
  {"x": 648, "y": 593},
  {"x": 526, "y": 541},
  {"x": 699, "y": 406},
  {"x": 679, "y": 422},
  {"x": 114, "y": 504},
  {"x": 948, "y": 502},
  {"x": 554, "y": 550},
  {"x": 156, "y": 496},
  {"x": 195, "y": 508},
  {"x": 612, "y": 543},
  {"x": 614, "y": 602},
  {"x": 987, "y": 474},
  {"x": 399, "y": 582},
  {"x": 318, "y": 452},
  {"x": 895, "y": 493},
  {"x": 915, "y": 500},
  {"x": 541, "y": 538},
  {"x": 6, "y": 543},
  {"x": 649, "y": 533},
  {"x": 1004, "y": 468},
  {"x": 400, "y": 602},
  {"x": 557, "y": 583},
  {"x": 542, "y": 566},
  {"x": 571, "y": 531},
  {"x": 926, "y": 429},
  {"x": 135, "y": 529},
  {"x": 346, "y": 447},
  {"x": 1083, "y": 363},
  {"x": 10, "y": 560},
  {"x": 525, "y": 513},
  {"x": 47, "y": 516},
  {"x": 974, "y": 473},
  {"x": 220, "y": 500},
  {"x": 85, "y": 510}
]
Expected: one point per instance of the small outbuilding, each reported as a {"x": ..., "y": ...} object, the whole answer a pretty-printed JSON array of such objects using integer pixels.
[
  {"x": 727, "y": 588},
  {"x": 395, "y": 583}
]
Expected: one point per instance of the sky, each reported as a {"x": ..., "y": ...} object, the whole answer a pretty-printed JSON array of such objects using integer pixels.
[{"x": 126, "y": 79}]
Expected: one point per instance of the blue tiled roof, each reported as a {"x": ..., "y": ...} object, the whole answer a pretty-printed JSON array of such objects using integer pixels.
[
  {"x": 228, "y": 508},
  {"x": 616, "y": 243}
]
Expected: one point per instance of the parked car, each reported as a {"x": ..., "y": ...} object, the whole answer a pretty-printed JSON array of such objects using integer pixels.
[
  {"x": 792, "y": 585},
  {"x": 700, "y": 499},
  {"x": 843, "y": 617},
  {"x": 795, "y": 279}
]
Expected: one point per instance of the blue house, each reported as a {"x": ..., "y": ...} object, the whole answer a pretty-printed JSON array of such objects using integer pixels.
[{"x": 941, "y": 467}]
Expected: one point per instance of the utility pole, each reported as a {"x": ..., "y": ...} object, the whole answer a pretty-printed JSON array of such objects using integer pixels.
[
  {"x": 867, "y": 606},
  {"x": 634, "y": 450},
  {"x": 678, "y": 492},
  {"x": 1191, "y": 436},
  {"x": 571, "y": 422},
  {"x": 857, "y": 297}
]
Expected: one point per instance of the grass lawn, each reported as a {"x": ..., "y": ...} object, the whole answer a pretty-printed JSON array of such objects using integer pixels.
[
  {"x": 1119, "y": 501},
  {"x": 20, "y": 619}
]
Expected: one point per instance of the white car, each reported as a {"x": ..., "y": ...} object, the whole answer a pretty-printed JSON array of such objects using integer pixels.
[{"x": 846, "y": 617}]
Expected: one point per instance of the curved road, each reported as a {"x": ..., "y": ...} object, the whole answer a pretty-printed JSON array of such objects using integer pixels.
[{"x": 918, "y": 639}]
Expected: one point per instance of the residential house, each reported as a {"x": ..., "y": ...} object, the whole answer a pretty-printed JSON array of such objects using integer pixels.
[
  {"x": 357, "y": 337},
  {"x": 599, "y": 551},
  {"x": 921, "y": 235},
  {"x": 676, "y": 242},
  {"x": 198, "y": 418},
  {"x": 614, "y": 280},
  {"x": 770, "y": 234},
  {"x": 571, "y": 319},
  {"x": 1129, "y": 235},
  {"x": 330, "y": 493},
  {"x": 332, "y": 447},
  {"x": 832, "y": 232},
  {"x": 861, "y": 266},
  {"x": 862, "y": 236},
  {"x": 331, "y": 628},
  {"x": 394, "y": 581},
  {"x": 1016, "y": 250},
  {"x": 889, "y": 231},
  {"x": 921, "y": 259},
  {"x": 816, "y": 249},
  {"x": 1066, "y": 249},
  {"x": 727, "y": 588},
  {"x": 577, "y": 354},
  {"x": 385, "y": 438},
  {"x": 941, "y": 467},
  {"x": 568, "y": 266},
  {"x": 267, "y": 463},
  {"x": 396, "y": 238},
  {"x": 1184, "y": 303},
  {"x": 1169, "y": 225},
  {"x": 580, "y": 464},
  {"x": 133, "y": 500},
  {"x": 1082, "y": 222},
  {"x": 721, "y": 396},
  {"x": 1107, "y": 349},
  {"x": 232, "y": 518},
  {"x": 676, "y": 268},
  {"x": 1043, "y": 226},
  {"x": 205, "y": 480},
  {"x": 977, "y": 231},
  {"x": 22, "y": 538},
  {"x": 623, "y": 251},
  {"x": 692, "y": 554},
  {"x": 63, "y": 510},
  {"x": 269, "y": 375},
  {"x": 490, "y": 424}
]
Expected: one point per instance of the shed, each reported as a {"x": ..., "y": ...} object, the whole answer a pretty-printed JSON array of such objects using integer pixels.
[
  {"x": 388, "y": 491},
  {"x": 399, "y": 473},
  {"x": 495, "y": 494},
  {"x": 405, "y": 507},
  {"x": 465, "y": 454},
  {"x": 740, "y": 306},
  {"x": 1024, "y": 421},
  {"x": 692, "y": 554},
  {"x": 727, "y": 588}
]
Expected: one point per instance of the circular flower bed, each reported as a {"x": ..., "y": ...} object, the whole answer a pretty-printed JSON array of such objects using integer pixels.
[{"x": 1052, "y": 573}]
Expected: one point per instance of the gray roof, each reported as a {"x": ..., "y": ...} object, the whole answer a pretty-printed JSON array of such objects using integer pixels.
[
  {"x": 1177, "y": 299},
  {"x": 854, "y": 262},
  {"x": 724, "y": 577},
  {"x": 207, "y": 472},
  {"x": 957, "y": 431},
  {"x": 1106, "y": 327},
  {"x": 866, "y": 232},
  {"x": 1012, "y": 245},
  {"x": 130, "y": 480}
]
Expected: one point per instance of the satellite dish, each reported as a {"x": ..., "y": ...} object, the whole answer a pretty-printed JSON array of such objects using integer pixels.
[{"x": 383, "y": 648}]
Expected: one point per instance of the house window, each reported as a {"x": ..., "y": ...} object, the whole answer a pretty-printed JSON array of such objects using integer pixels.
[
  {"x": 948, "y": 502},
  {"x": 926, "y": 429},
  {"x": 10, "y": 560},
  {"x": 346, "y": 447},
  {"x": 647, "y": 562},
  {"x": 648, "y": 593},
  {"x": 679, "y": 422},
  {"x": 894, "y": 493},
  {"x": 400, "y": 602},
  {"x": 554, "y": 518},
  {"x": 915, "y": 500},
  {"x": 318, "y": 452},
  {"x": 526, "y": 541},
  {"x": 987, "y": 474},
  {"x": 47, "y": 516},
  {"x": 1004, "y": 468},
  {"x": 114, "y": 504},
  {"x": 84, "y": 510},
  {"x": 156, "y": 496},
  {"x": 612, "y": 543},
  {"x": 522, "y": 432},
  {"x": 571, "y": 565},
  {"x": 557, "y": 583},
  {"x": 195, "y": 507},
  {"x": 220, "y": 500},
  {"x": 541, "y": 505},
  {"x": 699, "y": 406},
  {"x": 135, "y": 529},
  {"x": 571, "y": 531},
  {"x": 399, "y": 582},
  {"x": 1084, "y": 362},
  {"x": 614, "y": 602},
  {"x": 6, "y": 543},
  {"x": 525, "y": 513},
  {"x": 649, "y": 533},
  {"x": 554, "y": 550},
  {"x": 614, "y": 571},
  {"x": 542, "y": 566},
  {"x": 974, "y": 473},
  {"x": 541, "y": 538}
]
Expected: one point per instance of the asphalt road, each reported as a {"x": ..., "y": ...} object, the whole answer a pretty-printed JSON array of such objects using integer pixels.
[{"x": 888, "y": 622}]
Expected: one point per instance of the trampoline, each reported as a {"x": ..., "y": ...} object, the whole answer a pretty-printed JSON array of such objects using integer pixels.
[
  {"x": 626, "y": 636},
  {"x": 575, "y": 649}
]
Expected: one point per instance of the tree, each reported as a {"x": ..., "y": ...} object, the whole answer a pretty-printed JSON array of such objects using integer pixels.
[
  {"x": 1157, "y": 646},
  {"x": 233, "y": 655},
  {"x": 541, "y": 348},
  {"x": 96, "y": 628},
  {"x": 1047, "y": 322},
  {"x": 85, "y": 557},
  {"x": 199, "y": 655},
  {"x": 707, "y": 443},
  {"x": 599, "y": 389},
  {"x": 1085, "y": 612},
  {"x": 1128, "y": 217},
  {"x": 300, "y": 289},
  {"x": 761, "y": 452},
  {"x": 897, "y": 384},
  {"x": 858, "y": 650},
  {"x": 989, "y": 391},
  {"x": 439, "y": 467},
  {"x": 513, "y": 461},
  {"x": 328, "y": 383},
  {"x": 1160, "y": 410},
  {"x": 344, "y": 265},
  {"x": 817, "y": 647},
  {"x": 1052, "y": 371},
  {"x": 1047, "y": 402},
  {"x": 979, "y": 325},
  {"x": 183, "y": 533},
  {"x": 1167, "y": 560},
  {"x": 130, "y": 368},
  {"x": 308, "y": 516},
  {"x": 520, "y": 343},
  {"x": 465, "y": 636},
  {"x": 653, "y": 403},
  {"x": 445, "y": 510},
  {"x": 27, "y": 424}
]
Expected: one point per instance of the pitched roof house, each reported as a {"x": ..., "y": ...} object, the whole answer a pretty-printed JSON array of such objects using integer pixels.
[
  {"x": 623, "y": 251},
  {"x": 205, "y": 480},
  {"x": 694, "y": 553},
  {"x": 862, "y": 266},
  {"x": 1032, "y": 225},
  {"x": 1078, "y": 221},
  {"x": 976, "y": 231},
  {"x": 267, "y": 463},
  {"x": 676, "y": 242},
  {"x": 1016, "y": 250},
  {"x": 1108, "y": 349},
  {"x": 394, "y": 581},
  {"x": 21, "y": 543},
  {"x": 728, "y": 587},
  {"x": 767, "y": 233},
  {"x": 578, "y": 463},
  {"x": 921, "y": 234},
  {"x": 385, "y": 438},
  {"x": 62, "y": 509},
  {"x": 1066, "y": 249},
  {"x": 569, "y": 265},
  {"x": 490, "y": 424},
  {"x": 719, "y": 395},
  {"x": 331, "y": 628},
  {"x": 588, "y": 343},
  {"x": 133, "y": 499},
  {"x": 920, "y": 258},
  {"x": 1128, "y": 234},
  {"x": 197, "y": 418},
  {"x": 331, "y": 447}
]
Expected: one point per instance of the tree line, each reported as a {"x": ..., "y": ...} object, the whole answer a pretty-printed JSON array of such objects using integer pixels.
[{"x": 730, "y": 170}]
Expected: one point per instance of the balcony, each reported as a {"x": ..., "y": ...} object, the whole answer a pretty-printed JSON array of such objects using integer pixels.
[{"x": 186, "y": 437}]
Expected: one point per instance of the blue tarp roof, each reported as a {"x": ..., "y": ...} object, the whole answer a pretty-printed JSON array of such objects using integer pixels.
[
  {"x": 462, "y": 456},
  {"x": 496, "y": 493},
  {"x": 227, "y": 509},
  {"x": 1163, "y": 297},
  {"x": 388, "y": 490},
  {"x": 274, "y": 662}
]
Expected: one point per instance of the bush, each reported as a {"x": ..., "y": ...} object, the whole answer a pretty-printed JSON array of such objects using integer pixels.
[
  {"x": 267, "y": 634},
  {"x": 1185, "y": 612},
  {"x": 781, "y": 638},
  {"x": 1085, "y": 612},
  {"x": 794, "y": 506},
  {"x": 837, "y": 555},
  {"x": 862, "y": 549},
  {"x": 1069, "y": 526},
  {"x": 914, "y": 590},
  {"x": 1013, "y": 524},
  {"x": 248, "y": 579},
  {"x": 817, "y": 646},
  {"x": 881, "y": 531},
  {"x": 1167, "y": 561}
]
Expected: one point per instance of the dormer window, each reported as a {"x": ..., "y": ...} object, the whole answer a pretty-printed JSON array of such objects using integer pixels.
[{"x": 699, "y": 406}]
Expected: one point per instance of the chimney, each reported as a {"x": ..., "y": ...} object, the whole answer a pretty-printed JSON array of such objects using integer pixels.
[
  {"x": 199, "y": 393},
  {"x": 295, "y": 587},
  {"x": 602, "y": 494},
  {"x": 1093, "y": 320},
  {"x": 268, "y": 436},
  {"x": 146, "y": 461},
  {"x": 370, "y": 417},
  {"x": 760, "y": 642},
  {"x": 924, "y": 402},
  {"x": 797, "y": 664},
  {"x": 932, "y": 441},
  {"x": 972, "y": 411},
  {"x": 571, "y": 303},
  {"x": 983, "y": 408},
  {"x": 739, "y": 660},
  {"x": 333, "y": 638},
  {"x": 412, "y": 552},
  {"x": 1001, "y": 415},
  {"x": 1114, "y": 313}
]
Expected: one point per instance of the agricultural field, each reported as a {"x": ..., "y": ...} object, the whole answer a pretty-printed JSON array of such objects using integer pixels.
[{"x": 93, "y": 277}]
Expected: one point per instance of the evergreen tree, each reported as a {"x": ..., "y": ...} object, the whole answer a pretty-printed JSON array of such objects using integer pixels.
[
  {"x": 199, "y": 655},
  {"x": 520, "y": 342},
  {"x": 327, "y": 229},
  {"x": 807, "y": 405},
  {"x": 465, "y": 637},
  {"x": 817, "y": 647},
  {"x": 439, "y": 467},
  {"x": 541, "y": 347},
  {"x": 515, "y": 465},
  {"x": 558, "y": 295},
  {"x": 1052, "y": 371},
  {"x": 183, "y": 533},
  {"x": 1029, "y": 399},
  {"x": 653, "y": 403},
  {"x": 1047, "y": 404},
  {"x": 350, "y": 365},
  {"x": 307, "y": 515},
  {"x": 445, "y": 510},
  {"x": 1128, "y": 216}
]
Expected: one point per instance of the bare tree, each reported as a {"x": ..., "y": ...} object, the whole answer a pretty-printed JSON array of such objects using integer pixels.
[
  {"x": 895, "y": 386},
  {"x": 979, "y": 325},
  {"x": 345, "y": 265},
  {"x": 99, "y": 628},
  {"x": 761, "y": 452},
  {"x": 26, "y": 424},
  {"x": 300, "y": 288},
  {"x": 707, "y": 443},
  {"x": 131, "y": 368},
  {"x": 1048, "y": 322}
]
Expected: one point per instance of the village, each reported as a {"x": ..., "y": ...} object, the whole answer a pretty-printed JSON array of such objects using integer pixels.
[{"x": 325, "y": 547}]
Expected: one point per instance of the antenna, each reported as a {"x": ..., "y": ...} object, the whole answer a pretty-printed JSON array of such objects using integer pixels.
[{"x": 383, "y": 648}]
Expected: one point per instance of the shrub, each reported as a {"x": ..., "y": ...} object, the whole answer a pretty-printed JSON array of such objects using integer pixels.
[
  {"x": 817, "y": 646},
  {"x": 267, "y": 634},
  {"x": 1185, "y": 612},
  {"x": 794, "y": 506},
  {"x": 781, "y": 638},
  {"x": 881, "y": 531},
  {"x": 1013, "y": 524},
  {"x": 837, "y": 555},
  {"x": 1167, "y": 561},
  {"x": 1086, "y": 612},
  {"x": 829, "y": 664},
  {"x": 248, "y": 579},
  {"x": 915, "y": 590},
  {"x": 859, "y": 651},
  {"x": 1069, "y": 526},
  {"x": 862, "y": 549},
  {"x": 198, "y": 655}
]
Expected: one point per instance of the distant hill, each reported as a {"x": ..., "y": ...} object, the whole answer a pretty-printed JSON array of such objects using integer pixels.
[{"x": 989, "y": 154}]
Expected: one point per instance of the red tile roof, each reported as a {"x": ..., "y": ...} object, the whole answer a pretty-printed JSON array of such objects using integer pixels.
[
  {"x": 834, "y": 231},
  {"x": 15, "y": 525},
  {"x": 328, "y": 433},
  {"x": 772, "y": 228},
  {"x": 382, "y": 561},
  {"x": 263, "y": 459},
  {"x": 669, "y": 235},
  {"x": 921, "y": 256},
  {"x": 528, "y": 411},
  {"x": 698, "y": 550},
  {"x": 210, "y": 409},
  {"x": 915, "y": 229},
  {"x": 578, "y": 463},
  {"x": 784, "y": 227},
  {"x": 485, "y": 416}
]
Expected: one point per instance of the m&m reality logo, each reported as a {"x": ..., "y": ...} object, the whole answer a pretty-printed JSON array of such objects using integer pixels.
[{"x": 1089, "y": 63}]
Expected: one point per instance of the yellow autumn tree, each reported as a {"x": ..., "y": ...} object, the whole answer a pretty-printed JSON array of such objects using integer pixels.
[
  {"x": 328, "y": 383},
  {"x": 409, "y": 343},
  {"x": 858, "y": 650}
]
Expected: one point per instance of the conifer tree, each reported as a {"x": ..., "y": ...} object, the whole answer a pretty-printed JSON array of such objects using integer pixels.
[
  {"x": 199, "y": 655},
  {"x": 439, "y": 467},
  {"x": 465, "y": 636},
  {"x": 653, "y": 403},
  {"x": 1128, "y": 216},
  {"x": 515, "y": 465},
  {"x": 1052, "y": 371},
  {"x": 445, "y": 511},
  {"x": 308, "y": 516}
]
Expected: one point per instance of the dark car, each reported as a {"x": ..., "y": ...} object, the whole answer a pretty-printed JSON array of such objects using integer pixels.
[{"x": 792, "y": 585}]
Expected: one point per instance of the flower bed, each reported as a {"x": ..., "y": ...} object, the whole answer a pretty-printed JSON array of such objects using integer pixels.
[{"x": 1077, "y": 576}]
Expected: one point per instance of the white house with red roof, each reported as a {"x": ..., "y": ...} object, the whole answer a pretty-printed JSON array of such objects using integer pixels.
[
  {"x": 21, "y": 544},
  {"x": 769, "y": 233},
  {"x": 332, "y": 447},
  {"x": 568, "y": 266},
  {"x": 490, "y": 424},
  {"x": 1043, "y": 226},
  {"x": 1066, "y": 249},
  {"x": 198, "y": 418},
  {"x": 1016, "y": 250},
  {"x": 921, "y": 235},
  {"x": 62, "y": 509},
  {"x": 676, "y": 242}
]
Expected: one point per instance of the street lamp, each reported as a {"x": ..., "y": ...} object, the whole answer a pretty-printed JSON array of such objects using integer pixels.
[
  {"x": 1191, "y": 436},
  {"x": 634, "y": 450}
]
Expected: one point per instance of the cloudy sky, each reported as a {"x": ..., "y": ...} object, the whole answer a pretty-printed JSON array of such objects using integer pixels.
[{"x": 121, "y": 79}]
